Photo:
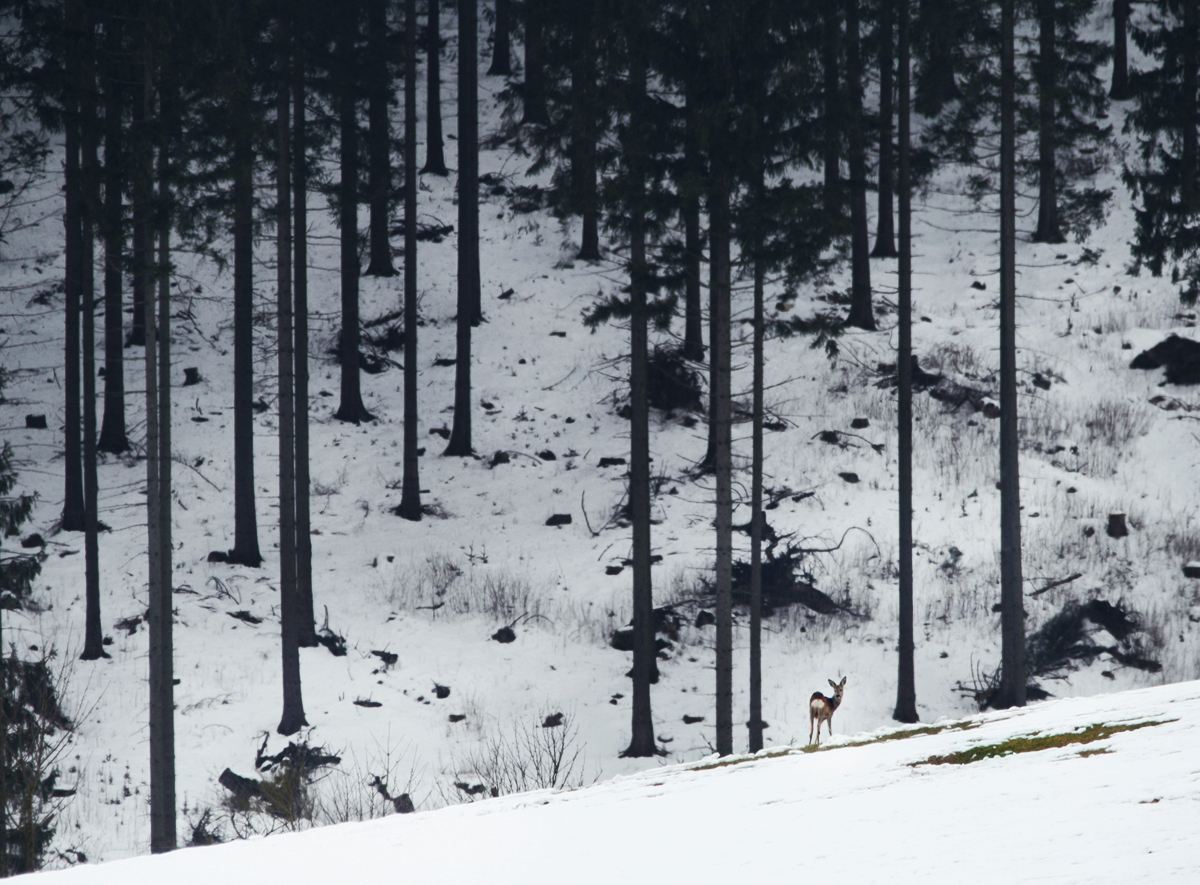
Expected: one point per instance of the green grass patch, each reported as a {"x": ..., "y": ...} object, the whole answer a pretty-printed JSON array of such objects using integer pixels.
[{"x": 1032, "y": 743}]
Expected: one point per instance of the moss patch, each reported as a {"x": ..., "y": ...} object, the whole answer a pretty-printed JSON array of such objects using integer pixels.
[{"x": 1032, "y": 743}]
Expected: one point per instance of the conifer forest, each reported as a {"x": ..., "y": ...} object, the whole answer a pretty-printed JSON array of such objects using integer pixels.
[{"x": 406, "y": 403}]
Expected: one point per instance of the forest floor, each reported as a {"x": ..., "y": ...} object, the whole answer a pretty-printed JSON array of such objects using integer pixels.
[{"x": 1097, "y": 438}]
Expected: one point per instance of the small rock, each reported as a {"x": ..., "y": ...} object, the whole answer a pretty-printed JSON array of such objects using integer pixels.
[
  {"x": 547, "y": 455},
  {"x": 191, "y": 376},
  {"x": 979, "y": 284},
  {"x": 559, "y": 519},
  {"x": 614, "y": 570},
  {"x": 692, "y": 720},
  {"x": 860, "y": 423},
  {"x": 499, "y": 458},
  {"x": 611, "y": 462},
  {"x": 705, "y": 618},
  {"x": 505, "y": 635},
  {"x": 35, "y": 422},
  {"x": 849, "y": 477},
  {"x": 457, "y": 717},
  {"x": 34, "y": 540},
  {"x": 218, "y": 556},
  {"x": 1191, "y": 569},
  {"x": 441, "y": 691}
]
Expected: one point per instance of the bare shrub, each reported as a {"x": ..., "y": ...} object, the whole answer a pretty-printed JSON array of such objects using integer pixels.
[
  {"x": 1115, "y": 423},
  {"x": 383, "y": 784},
  {"x": 526, "y": 756}
]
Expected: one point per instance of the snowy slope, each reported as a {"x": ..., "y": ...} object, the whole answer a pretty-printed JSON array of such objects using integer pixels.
[
  {"x": 1081, "y": 320},
  {"x": 1127, "y": 811}
]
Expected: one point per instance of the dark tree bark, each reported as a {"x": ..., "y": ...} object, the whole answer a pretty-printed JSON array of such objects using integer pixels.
[
  {"x": 1189, "y": 186},
  {"x": 755, "y": 724},
  {"x": 642, "y": 741},
  {"x": 93, "y": 634},
  {"x": 435, "y": 151},
  {"x": 1120, "y": 90},
  {"x": 410, "y": 495},
  {"x": 162, "y": 690},
  {"x": 138, "y": 282},
  {"x": 379, "y": 137},
  {"x": 292, "y": 719},
  {"x": 533, "y": 96},
  {"x": 906, "y": 692},
  {"x": 885, "y": 234},
  {"x": 468, "y": 225},
  {"x": 305, "y": 618},
  {"x": 1012, "y": 614},
  {"x": 723, "y": 439},
  {"x": 351, "y": 408},
  {"x": 112, "y": 429},
  {"x": 1046, "y": 69},
  {"x": 861, "y": 313},
  {"x": 693, "y": 323},
  {"x": 73, "y": 518},
  {"x": 501, "y": 51},
  {"x": 245, "y": 533},
  {"x": 583, "y": 125},
  {"x": 832, "y": 114}
]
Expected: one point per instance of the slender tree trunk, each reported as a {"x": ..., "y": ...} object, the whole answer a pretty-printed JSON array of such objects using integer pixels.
[
  {"x": 861, "y": 314},
  {"x": 644, "y": 667},
  {"x": 435, "y": 151},
  {"x": 533, "y": 97},
  {"x": 1012, "y": 614},
  {"x": 693, "y": 334},
  {"x": 137, "y": 272},
  {"x": 719, "y": 239},
  {"x": 756, "y": 516},
  {"x": 112, "y": 429},
  {"x": 1048, "y": 229},
  {"x": 1120, "y": 90},
  {"x": 410, "y": 495},
  {"x": 292, "y": 719},
  {"x": 351, "y": 408},
  {"x": 379, "y": 136},
  {"x": 245, "y": 534},
  {"x": 163, "y": 739},
  {"x": 501, "y": 51},
  {"x": 93, "y": 634},
  {"x": 468, "y": 226},
  {"x": 885, "y": 237},
  {"x": 832, "y": 98},
  {"x": 906, "y": 692},
  {"x": 73, "y": 519},
  {"x": 583, "y": 137},
  {"x": 305, "y": 618}
]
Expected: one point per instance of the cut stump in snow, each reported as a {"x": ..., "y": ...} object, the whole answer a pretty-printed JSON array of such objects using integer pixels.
[{"x": 1116, "y": 525}]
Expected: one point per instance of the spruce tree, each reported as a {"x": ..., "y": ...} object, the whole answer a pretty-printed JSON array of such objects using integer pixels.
[
  {"x": 410, "y": 497},
  {"x": 435, "y": 152}
]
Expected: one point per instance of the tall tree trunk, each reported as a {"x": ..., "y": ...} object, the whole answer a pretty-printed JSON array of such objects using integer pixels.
[
  {"x": 305, "y": 618},
  {"x": 468, "y": 225},
  {"x": 906, "y": 691},
  {"x": 245, "y": 533},
  {"x": 1189, "y": 186},
  {"x": 292, "y": 719},
  {"x": 1048, "y": 229},
  {"x": 140, "y": 260},
  {"x": 73, "y": 519},
  {"x": 1120, "y": 90},
  {"x": 533, "y": 95},
  {"x": 379, "y": 135},
  {"x": 832, "y": 98},
  {"x": 351, "y": 408},
  {"x": 410, "y": 495},
  {"x": 501, "y": 50},
  {"x": 756, "y": 514},
  {"x": 723, "y": 439},
  {"x": 693, "y": 331},
  {"x": 93, "y": 634},
  {"x": 885, "y": 236},
  {"x": 1012, "y": 614},
  {"x": 583, "y": 125},
  {"x": 644, "y": 666},
  {"x": 861, "y": 314},
  {"x": 112, "y": 429},
  {"x": 163, "y": 647},
  {"x": 435, "y": 151}
]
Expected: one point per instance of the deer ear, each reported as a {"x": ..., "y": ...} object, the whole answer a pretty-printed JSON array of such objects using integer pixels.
[
  {"x": 834, "y": 684},
  {"x": 843, "y": 683}
]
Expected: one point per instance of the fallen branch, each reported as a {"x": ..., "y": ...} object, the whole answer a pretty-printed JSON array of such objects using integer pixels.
[{"x": 1058, "y": 583}]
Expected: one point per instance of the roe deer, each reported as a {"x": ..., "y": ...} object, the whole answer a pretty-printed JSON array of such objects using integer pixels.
[{"x": 820, "y": 709}]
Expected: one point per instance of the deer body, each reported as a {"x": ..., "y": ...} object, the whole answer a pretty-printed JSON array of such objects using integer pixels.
[{"x": 820, "y": 709}]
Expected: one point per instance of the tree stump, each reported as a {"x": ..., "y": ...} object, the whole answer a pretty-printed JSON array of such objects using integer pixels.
[{"x": 1116, "y": 525}]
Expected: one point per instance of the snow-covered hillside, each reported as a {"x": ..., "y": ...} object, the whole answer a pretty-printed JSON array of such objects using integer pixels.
[
  {"x": 1098, "y": 438},
  {"x": 870, "y": 808}
]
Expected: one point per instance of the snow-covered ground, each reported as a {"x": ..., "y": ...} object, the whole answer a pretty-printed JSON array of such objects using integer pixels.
[
  {"x": 1098, "y": 441},
  {"x": 1120, "y": 809}
]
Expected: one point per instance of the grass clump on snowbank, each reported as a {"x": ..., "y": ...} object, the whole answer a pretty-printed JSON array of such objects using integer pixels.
[{"x": 1032, "y": 743}]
